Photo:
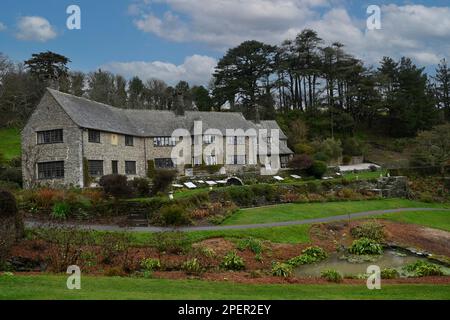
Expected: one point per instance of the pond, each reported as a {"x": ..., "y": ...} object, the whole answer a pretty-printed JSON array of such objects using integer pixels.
[{"x": 390, "y": 259}]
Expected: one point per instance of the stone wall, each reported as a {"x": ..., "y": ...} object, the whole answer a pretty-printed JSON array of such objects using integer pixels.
[
  {"x": 107, "y": 152},
  {"x": 48, "y": 116}
]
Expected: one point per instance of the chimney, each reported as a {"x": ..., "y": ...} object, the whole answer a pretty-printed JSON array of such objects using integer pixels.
[{"x": 179, "y": 105}]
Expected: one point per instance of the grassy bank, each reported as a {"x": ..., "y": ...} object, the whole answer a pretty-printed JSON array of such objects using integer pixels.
[
  {"x": 54, "y": 287},
  {"x": 434, "y": 219},
  {"x": 301, "y": 211},
  {"x": 10, "y": 142}
]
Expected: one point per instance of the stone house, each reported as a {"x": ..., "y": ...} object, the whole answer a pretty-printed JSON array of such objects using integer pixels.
[{"x": 70, "y": 139}]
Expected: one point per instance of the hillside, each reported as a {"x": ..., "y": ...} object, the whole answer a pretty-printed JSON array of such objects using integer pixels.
[{"x": 10, "y": 142}]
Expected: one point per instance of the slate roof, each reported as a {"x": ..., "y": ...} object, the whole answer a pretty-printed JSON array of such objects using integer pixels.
[
  {"x": 150, "y": 123},
  {"x": 269, "y": 125}
]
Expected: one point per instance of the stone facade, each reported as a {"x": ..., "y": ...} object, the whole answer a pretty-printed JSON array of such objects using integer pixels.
[
  {"x": 58, "y": 111},
  {"x": 49, "y": 116}
]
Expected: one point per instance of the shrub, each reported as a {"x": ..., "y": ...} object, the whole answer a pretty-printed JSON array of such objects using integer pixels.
[
  {"x": 332, "y": 148},
  {"x": 254, "y": 245},
  {"x": 45, "y": 198},
  {"x": 150, "y": 169},
  {"x": 150, "y": 264},
  {"x": 11, "y": 225},
  {"x": 141, "y": 186},
  {"x": 423, "y": 268},
  {"x": 312, "y": 187},
  {"x": 12, "y": 175},
  {"x": 308, "y": 256},
  {"x": 192, "y": 266},
  {"x": 115, "y": 272},
  {"x": 162, "y": 179},
  {"x": 242, "y": 196},
  {"x": 281, "y": 270},
  {"x": 301, "y": 162},
  {"x": 116, "y": 185},
  {"x": 352, "y": 147},
  {"x": 321, "y": 156},
  {"x": 346, "y": 159},
  {"x": 332, "y": 276},
  {"x": 115, "y": 246},
  {"x": 370, "y": 230},
  {"x": 315, "y": 252},
  {"x": 61, "y": 210},
  {"x": 174, "y": 215},
  {"x": 389, "y": 273},
  {"x": 231, "y": 261},
  {"x": 318, "y": 169},
  {"x": 303, "y": 148},
  {"x": 8, "y": 205},
  {"x": 9, "y": 186},
  {"x": 93, "y": 195},
  {"x": 364, "y": 246},
  {"x": 267, "y": 191},
  {"x": 170, "y": 242},
  {"x": 66, "y": 246},
  {"x": 206, "y": 252}
]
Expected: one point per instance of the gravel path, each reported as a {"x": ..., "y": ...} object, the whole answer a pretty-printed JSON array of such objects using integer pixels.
[{"x": 35, "y": 224}]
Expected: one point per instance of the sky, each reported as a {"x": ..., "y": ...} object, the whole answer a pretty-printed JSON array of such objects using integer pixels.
[{"x": 177, "y": 40}]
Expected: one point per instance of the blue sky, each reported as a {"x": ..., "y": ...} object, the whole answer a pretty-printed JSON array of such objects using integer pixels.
[{"x": 180, "y": 39}]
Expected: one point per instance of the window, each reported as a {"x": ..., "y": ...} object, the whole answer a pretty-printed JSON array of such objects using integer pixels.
[
  {"x": 208, "y": 139},
  {"x": 50, "y": 136},
  {"x": 236, "y": 159},
  {"x": 284, "y": 160},
  {"x": 130, "y": 167},
  {"x": 211, "y": 160},
  {"x": 269, "y": 140},
  {"x": 196, "y": 161},
  {"x": 95, "y": 168},
  {"x": 94, "y": 136},
  {"x": 164, "y": 141},
  {"x": 115, "y": 167},
  {"x": 51, "y": 170},
  {"x": 164, "y": 163},
  {"x": 236, "y": 140},
  {"x": 129, "y": 141}
]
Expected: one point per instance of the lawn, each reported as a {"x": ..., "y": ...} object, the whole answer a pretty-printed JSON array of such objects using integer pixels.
[
  {"x": 10, "y": 142},
  {"x": 301, "y": 211},
  {"x": 54, "y": 287},
  {"x": 434, "y": 219},
  {"x": 290, "y": 234}
]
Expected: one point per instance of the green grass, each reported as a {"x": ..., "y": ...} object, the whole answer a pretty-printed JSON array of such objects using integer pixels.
[
  {"x": 54, "y": 287},
  {"x": 432, "y": 219},
  {"x": 290, "y": 234},
  {"x": 10, "y": 142},
  {"x": 301, "y": 211}
]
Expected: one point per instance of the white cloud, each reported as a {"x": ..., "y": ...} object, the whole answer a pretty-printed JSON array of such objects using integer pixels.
[
  {"x": 195, "y": 69},
  {"x": 419, "y": 31},
  {"x": 225, "y": 23},
  {"x": 2, "y": 26},
  {"x": 35, "y": 29}
]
